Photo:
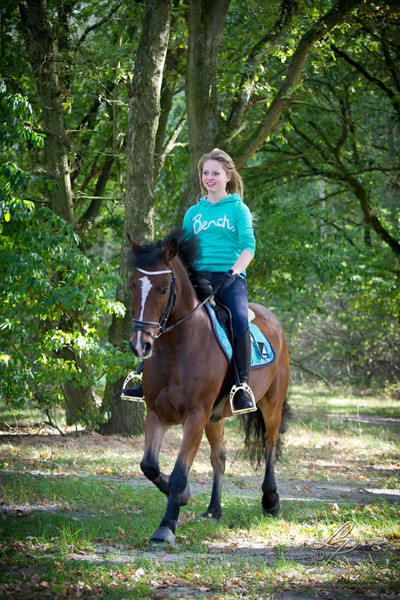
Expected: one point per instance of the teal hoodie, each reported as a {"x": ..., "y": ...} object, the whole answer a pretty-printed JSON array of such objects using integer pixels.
[{"x": 223, "y": 229}]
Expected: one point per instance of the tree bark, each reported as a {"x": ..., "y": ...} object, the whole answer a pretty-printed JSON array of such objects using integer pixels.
[
  {"x": 39, "y": 39},
  {"x": 144, "y": 114},
  {"x": 206, "y": 21}
]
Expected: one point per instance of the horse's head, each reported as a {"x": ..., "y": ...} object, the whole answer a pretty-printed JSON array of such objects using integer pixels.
[{"x": 153, "y": 293}]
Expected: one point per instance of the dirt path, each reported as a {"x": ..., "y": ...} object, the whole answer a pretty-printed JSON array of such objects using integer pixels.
[
  {"x": 248, "y": 487},
  {"x": 366, "y": 419},
  {"x": 335, "y": 494}
]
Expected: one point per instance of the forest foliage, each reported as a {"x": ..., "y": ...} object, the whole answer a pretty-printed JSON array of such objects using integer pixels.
[{"x": 304, "y": 95}]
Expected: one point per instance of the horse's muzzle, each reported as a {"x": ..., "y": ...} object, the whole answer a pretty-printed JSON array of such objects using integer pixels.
[{"x": 142, "y": 349}]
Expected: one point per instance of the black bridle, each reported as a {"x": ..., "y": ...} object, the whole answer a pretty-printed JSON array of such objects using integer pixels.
[{"x": 161, "y": 326}]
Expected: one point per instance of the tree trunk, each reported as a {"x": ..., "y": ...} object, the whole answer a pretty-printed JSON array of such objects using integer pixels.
[
  {"x": 143, "y": 118},
  {"x": 42, "y": 52},
  {"x": 35, "y": 25},
  {"x": 206, "y": 21}
]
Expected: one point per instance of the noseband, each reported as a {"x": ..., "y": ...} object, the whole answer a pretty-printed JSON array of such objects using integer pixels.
[{"x": 161, "y": 325}]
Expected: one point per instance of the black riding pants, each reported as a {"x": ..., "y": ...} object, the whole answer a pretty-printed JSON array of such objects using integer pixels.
[{"x": 236, "y": 299}]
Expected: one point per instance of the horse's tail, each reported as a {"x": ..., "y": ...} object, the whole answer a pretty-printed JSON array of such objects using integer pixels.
[{"x": 254, "y": 433}]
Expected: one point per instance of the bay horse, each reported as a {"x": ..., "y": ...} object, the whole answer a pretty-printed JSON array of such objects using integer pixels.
[{"x": 185, "y": 371}]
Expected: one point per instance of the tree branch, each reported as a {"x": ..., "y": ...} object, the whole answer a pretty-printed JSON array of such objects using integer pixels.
[
  {"x": 246, "y": 85},
  {"x": 93, "y": 209},
  {"x": 168, "y": 148},
  {"x": 371, "y": 78},
  {"x": 369, "y": 214},
  {"x": 90, "y": 28},
  {"x": 299, "y": 365},
  {"x": 292, "y": 79}
]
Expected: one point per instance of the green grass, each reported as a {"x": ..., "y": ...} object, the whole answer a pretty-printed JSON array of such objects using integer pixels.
[
  {"x": 207, "y": 559},
  {"x": 320, "y": 399},
  {"x": 76, "y": 520}
]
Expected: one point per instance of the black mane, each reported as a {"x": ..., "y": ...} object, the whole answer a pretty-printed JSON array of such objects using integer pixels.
[{"x": 148, "y": 255}]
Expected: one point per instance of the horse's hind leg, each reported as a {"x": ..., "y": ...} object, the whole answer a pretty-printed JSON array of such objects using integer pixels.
[
  {"x": 215, "y": 436},
  {"x": 270, "y": 498},
  {"x": 154, "y": 435},
  {"x": 271, "y": 408}
]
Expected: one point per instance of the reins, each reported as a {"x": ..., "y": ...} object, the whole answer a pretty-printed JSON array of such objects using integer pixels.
[
  {"x": 161, "y": 325},
  {"x": 187, "y": 316}
]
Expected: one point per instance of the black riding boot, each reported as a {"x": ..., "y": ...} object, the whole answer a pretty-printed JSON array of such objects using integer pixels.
[
  {"x": 243, "y": 399},
  {"x": 135, "y": 392}
]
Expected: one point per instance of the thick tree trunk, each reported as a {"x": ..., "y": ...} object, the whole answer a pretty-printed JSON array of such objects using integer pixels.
[
  {"x": 206, "y": 21},
  {"x": 42, "y": 55},
  {"x": 42, "y": 52},
  {"x": 144, "y": 114}
]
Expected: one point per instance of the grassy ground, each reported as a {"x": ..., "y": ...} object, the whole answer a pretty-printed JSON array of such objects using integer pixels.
[{"x": 76, "y": 514}]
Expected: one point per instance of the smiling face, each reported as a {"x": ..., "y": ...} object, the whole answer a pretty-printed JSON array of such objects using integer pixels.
[{"x": 215, "y": 179}]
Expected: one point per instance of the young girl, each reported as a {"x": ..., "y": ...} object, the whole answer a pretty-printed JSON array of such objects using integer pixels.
[{"x": 222, "y": 224}]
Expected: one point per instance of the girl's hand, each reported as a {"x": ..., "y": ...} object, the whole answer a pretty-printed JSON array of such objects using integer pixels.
[{"x": 224, "y": 281}]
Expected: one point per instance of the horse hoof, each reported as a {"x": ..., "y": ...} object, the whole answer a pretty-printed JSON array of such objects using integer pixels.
[
  {"x": 273, "y": 511},
  {"x": 163, "y": 534},
  {"x": 211, "y": 514}
]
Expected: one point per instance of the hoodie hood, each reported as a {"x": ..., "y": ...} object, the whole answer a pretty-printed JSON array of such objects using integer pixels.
[{"x": 227, "y": 200}]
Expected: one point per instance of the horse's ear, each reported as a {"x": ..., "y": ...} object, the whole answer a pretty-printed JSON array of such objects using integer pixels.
[
  {"x": 171, "y": 249},
  {"x": 132, "y": 242}
]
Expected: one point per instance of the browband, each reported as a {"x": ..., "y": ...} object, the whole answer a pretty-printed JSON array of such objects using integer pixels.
[{"x": 153, "y": 272}]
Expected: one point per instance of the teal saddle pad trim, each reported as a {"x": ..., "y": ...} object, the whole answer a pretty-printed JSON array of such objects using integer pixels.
[{"x": 262, "y": 353}]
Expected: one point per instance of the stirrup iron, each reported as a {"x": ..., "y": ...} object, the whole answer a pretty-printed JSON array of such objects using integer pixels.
[
  {"x": 246, "y": 388},
  {"x": 130, "y": 377}
]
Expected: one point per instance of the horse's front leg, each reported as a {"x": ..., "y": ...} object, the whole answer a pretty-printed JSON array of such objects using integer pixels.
[
  {"x": 154, "y": 435},
  {"x": 178, "y": 480},
  {"x": 215, "y": 436}
]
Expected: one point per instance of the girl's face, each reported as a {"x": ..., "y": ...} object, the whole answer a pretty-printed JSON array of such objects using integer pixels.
[{"x": 215, "y": 178}]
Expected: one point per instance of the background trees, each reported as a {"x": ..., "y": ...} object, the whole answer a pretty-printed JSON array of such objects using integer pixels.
[
  {"x": 126, "y": 97},
  {"x": 341, "y": 142}
]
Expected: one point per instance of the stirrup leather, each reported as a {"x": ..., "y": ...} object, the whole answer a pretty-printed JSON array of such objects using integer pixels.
[{"x": 245, "y": 387}]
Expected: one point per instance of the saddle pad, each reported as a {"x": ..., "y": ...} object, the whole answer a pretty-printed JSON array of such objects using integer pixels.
[{"x": 262, "y": 352}]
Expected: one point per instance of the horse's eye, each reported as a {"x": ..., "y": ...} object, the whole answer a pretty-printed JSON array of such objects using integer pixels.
[{"x": 164, "y": 291}]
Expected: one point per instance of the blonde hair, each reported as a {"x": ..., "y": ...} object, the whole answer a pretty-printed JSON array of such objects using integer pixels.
[{"x": 235, "y": 184}]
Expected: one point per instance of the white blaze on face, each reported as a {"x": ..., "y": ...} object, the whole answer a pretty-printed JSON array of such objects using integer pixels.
[{"x": 146, "y": 287}]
